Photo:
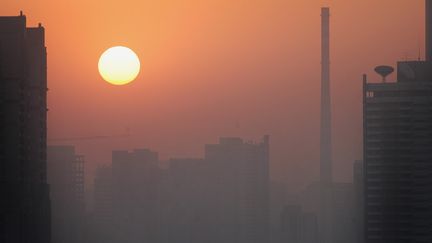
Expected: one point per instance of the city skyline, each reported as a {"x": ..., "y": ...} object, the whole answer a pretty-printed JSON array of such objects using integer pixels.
[
  {"x": 216, "y": 121},
  {"x": 178, "y": 87}
]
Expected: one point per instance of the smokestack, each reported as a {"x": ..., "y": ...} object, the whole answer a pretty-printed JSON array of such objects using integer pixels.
[
  {"x": 429, "y": 30},
  {"x": 325, "y": 143},
  {"x": 325, "y": 216}
]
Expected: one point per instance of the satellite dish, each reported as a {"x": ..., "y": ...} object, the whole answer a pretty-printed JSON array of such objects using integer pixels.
[{"x": 384, "y": 71}]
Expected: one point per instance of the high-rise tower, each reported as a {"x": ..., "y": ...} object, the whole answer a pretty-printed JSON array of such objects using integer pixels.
[
  {"x": 325, "y": 135},
  {"x": 398, "y": 152},
  {"x": 24, "y": 204}
]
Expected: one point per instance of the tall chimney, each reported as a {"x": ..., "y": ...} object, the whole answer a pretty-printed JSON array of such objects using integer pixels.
[
  {"x": 429, "y": 30},
  {"x": 325, "y": 215},
  {"x": 325, "y": 140}
]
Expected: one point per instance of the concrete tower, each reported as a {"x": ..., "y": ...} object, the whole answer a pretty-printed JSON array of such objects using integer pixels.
[
  {"x": 325, "y": 152},
  {"x": 325, "y": 136}
]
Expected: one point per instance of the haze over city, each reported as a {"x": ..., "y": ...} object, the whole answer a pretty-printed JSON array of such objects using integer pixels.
[
  {"x": 218, "y": 68},
  {"x": 185, "y": 121}
]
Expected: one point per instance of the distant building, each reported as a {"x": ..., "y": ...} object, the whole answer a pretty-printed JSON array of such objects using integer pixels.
[
  {"x": 342, "y": 208},
  {"x": 135, "y": 196},
  {"x": 309, "y": 228},
  {"x": 66, "y": 179},
  {"x": 278, "y": 200},
  {"x": 223, "y": 197},
  {"x": 102, "y": 220},
  {"x": 189, "y": 202},
  {"x": 298, "y": 226},
  {"x": 358, "y": 182},
  {"x": 343, "y": 213},
  {"x": 291, "y": 224},
  {"x": 240, "y": 186},
  {"x": 25, "y": 205}
]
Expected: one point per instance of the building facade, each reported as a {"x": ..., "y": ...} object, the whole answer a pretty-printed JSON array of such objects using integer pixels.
[
  {"x": 298, "y": 226},
  {"x": 102, "y": 217},
  {"x": 398, "y": 155},
  {"x": 66, "y": 179},
  {"x": 240, "y": 183},
  {"x": 135, "y": 196},
  {"x": 25, "y": 204}
]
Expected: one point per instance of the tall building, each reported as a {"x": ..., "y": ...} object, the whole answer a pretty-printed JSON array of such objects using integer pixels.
[
  {"x": 325, "y": 216},
  {"x": 240, "y": 183},
  {"x": 189, "y": 202},
  {"x": 298, "y": 226},
  {"x": 135, "y": 196},
  {"x": 66, "y": 179},
  {"x": 342, "y": 205},
  {"x": 291, "y": 217},
  {"x": 25, "y": 204},
  {"x": 102, "y": 220},
  {"x": 278, "y": 199},
  {"x": 398, "y": 152}
]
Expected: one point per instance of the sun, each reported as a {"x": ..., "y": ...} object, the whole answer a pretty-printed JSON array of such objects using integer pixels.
[{"x": 119, "y": 65}]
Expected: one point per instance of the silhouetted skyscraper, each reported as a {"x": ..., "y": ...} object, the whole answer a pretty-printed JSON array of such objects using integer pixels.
[
  {"x": 240, "y": 176},
  {"x": 102, "y": 220},
  {"x": 135, "y": 198},
  {"x": 66, "y": 179},
  {"x": 25, "y": 206},
  {"x": 189, "y": 202},
  {"x": 398, "y": 153},
  {"x": 325, "y": 216}
]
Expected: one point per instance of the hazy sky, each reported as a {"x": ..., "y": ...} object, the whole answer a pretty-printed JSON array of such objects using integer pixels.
[{"x": 211, "y": 64}]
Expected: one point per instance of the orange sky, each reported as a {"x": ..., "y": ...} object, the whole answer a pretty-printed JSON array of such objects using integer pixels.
[{"x": 208, "y": 65}]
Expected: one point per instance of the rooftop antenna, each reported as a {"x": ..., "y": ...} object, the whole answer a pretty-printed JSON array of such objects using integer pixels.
[
  {"x": 21, "y": 13},
  {"x": 384, "y": 71},
  {"x": 419, "y": 49}
]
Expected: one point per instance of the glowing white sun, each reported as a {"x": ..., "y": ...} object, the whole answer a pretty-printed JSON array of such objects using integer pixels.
[{"x": 119, "y": 65}]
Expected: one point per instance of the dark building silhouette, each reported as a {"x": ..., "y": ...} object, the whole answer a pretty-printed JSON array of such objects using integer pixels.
[
  {"x": 25, "y": 206},
  {"x": 278, "y": 200},
  {"x": 102, "y": 217},
  {"x": 66, "y": 179},
  {"x": 343, "y": 212},
  {"x": 398, "y": 152},
  {"x": 135, "y": 196},
  {"x": 223, "y": 197},
  {"x": 342, "y": 206},
  {"x": 240, "y": 186},
  {"x": 188, "y": 205}
]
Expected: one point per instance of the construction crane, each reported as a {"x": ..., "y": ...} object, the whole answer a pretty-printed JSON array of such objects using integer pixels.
[{"x": 96, "y": 137}]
